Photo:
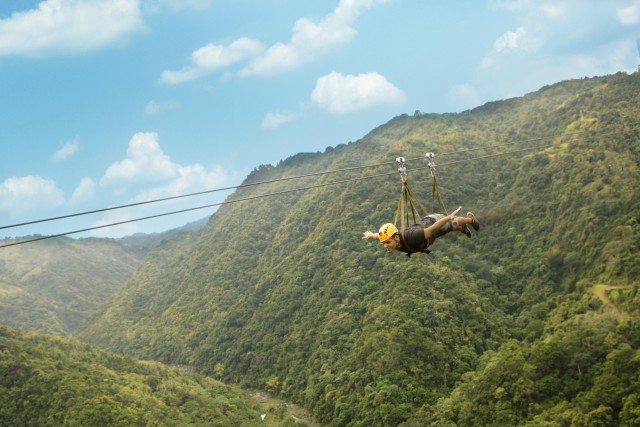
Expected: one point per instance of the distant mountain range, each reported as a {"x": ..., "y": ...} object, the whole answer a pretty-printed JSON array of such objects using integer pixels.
[{"x": 52, "y": 286}]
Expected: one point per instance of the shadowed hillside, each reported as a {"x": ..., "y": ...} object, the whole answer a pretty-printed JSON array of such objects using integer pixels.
[{"x": 281, "y": 293}]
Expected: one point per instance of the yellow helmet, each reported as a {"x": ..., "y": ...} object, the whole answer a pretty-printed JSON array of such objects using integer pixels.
[{"x": 386, "y": 232}]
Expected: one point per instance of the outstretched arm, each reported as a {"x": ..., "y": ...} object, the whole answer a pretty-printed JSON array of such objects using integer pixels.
[
  {"x": 440, "y": 223},
  {"x": 369, "y": 235}
]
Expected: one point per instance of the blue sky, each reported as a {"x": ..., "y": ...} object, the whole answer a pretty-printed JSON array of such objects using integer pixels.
[{"x": 111, "y": 102}]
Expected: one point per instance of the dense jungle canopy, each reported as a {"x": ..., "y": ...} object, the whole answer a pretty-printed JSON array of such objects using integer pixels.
[{"x": 53, "y": 381}]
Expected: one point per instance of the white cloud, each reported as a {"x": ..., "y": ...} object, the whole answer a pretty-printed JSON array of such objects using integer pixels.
[
  {"x": 184, "y": 180},
  {"x": 154, "y": 108},
  {"x": 516, "y": 42},
  {"x": 157, "y": 5},
  {"x": 189, "y": 179},
  {"x": 630, "y": 15},
  {"x": 541, "y": 51},
  {"x": 84, "y": 191},
  {"x": 342, "y": 94},
  {"x": 512, "y": 5},
  {"x": 68, "y": 26},
  {"x": 276, "y": 119},
  {"x": 115, "y": 217},
  {"x": 463, "y": 96},
  {"x": 598, "y": 42},
  {"x": 22, "y": 195},
  {"x": 213, "y": 57},
  {"x": 486, "y": 62},
  {"x": 509, "y": 40},
  {"x": 309, "y": 40},
  {"x": 66, "y": 151},
  {"x": 552, "y": 10},
  {"x": 145, "y": 162}
]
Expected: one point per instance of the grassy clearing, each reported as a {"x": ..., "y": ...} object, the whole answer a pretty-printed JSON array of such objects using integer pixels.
[{"x": 277, "y": 411}]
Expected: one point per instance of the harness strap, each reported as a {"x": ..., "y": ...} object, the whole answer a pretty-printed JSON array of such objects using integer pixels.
[
  {"x": 408, "y": 197},
  {"x": 436, "y": 192}
]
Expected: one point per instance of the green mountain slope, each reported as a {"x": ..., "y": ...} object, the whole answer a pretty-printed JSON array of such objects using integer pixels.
[
  {"x": 281, "y": 293},
  {"x": 47, "y": 381},
  {"x": 54, "y": 285}
]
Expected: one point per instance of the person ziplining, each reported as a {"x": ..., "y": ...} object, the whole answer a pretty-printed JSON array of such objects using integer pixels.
[
  {"x": 421, "y": 235},
  {"x": 418, "y": 237}
]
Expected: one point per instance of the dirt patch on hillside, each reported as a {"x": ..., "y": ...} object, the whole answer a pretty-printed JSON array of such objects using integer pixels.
[{"x": 601, "y": 292}]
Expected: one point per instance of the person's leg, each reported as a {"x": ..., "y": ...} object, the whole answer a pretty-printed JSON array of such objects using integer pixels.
[
  {"x": 448, "y": 227},
  {"x": 463, "y": 221},
  {"x": 458, "y": 223},
  {"x": 469, "y": 219},
  {"x": 474, "y": 222}
]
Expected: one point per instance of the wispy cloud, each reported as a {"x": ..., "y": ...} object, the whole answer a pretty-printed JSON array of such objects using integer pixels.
[
  {"x": 189, "y": 179},
  {"x": 211, "y": 58},
  {"x": 66, "y": 151},
  {"x": 68, "y": 26},
  {"x": 276, "y": 119},
  {"x": 309, "y": 41},
  {"x": 342, "y": 94},
  {"x": 84, "y": 191},
  {"x": 154, "y": 108},
  {"x": 630, "y": 15},
  {"x": 542, "y": 36},
  {"x": 539, "y": 50},
  {"x": 156, "y": 5},
  {"x": 463, "y": 96}
]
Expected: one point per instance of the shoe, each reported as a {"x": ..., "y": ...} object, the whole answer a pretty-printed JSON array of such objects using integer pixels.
[{"x": 475, "y": 224}]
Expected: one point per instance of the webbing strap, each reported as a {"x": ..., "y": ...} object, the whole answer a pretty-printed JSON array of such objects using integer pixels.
[
  {"x": 407, "y": 196},
  {"x": 436, "y": 193}
]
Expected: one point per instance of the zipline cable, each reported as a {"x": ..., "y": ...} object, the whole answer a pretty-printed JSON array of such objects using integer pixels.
[
  {"x": 253, "y": 198},
  {"x": 190, "y": 195},
  {"x": 263, "y": 195},
  {"x": 272, "y": 181},
  {"x": 196, "y": 208}
]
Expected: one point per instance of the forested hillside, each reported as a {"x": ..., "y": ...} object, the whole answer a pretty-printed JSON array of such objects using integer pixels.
[
  {"x": 52, "y": 286},
  {"x": 532, "y": 321},
  {"x": 47, "y": 381}
]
